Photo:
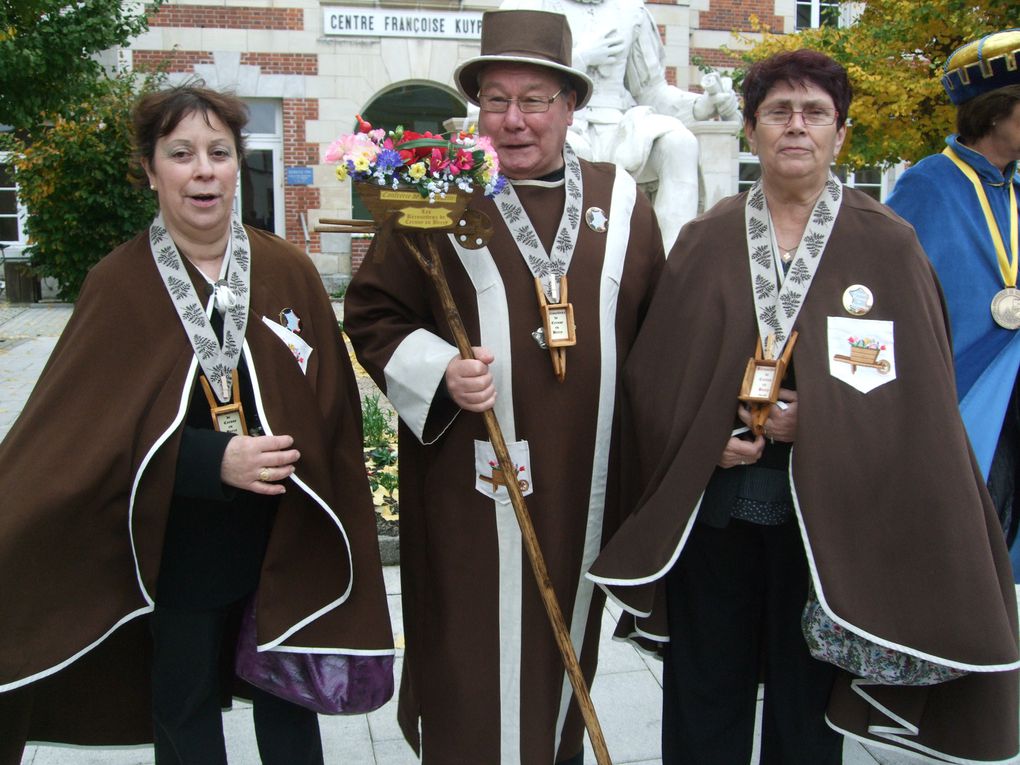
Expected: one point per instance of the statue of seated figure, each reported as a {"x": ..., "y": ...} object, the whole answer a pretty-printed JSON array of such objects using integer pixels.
[{"x": 635, "y": 118}]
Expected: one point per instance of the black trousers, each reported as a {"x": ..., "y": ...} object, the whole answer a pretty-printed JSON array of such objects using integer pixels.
[
  {"x": 734, "y": 601},
  {"x": 186, "y": 693}
]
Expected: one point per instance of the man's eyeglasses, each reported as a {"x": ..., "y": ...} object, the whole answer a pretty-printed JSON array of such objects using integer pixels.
[
  {"x": 528, "y": 105},
  {"x": 815, "y": 116}
]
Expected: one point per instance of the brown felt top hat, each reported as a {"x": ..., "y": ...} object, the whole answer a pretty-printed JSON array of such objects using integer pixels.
[{"x": 524, "y": 37}]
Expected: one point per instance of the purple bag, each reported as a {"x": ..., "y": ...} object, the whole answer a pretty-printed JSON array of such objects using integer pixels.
[{"x": 327, "y": 683}]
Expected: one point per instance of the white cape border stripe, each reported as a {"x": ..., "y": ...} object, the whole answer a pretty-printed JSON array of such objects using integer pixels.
[
  {"x": 71, "y": 659},
  {"x": 621, "y": 210},
  {"x": 605, "y": 581},
  {"x": 864, "y": 633},
  {"x": 181, "y": 410},
  {"x": 328, "y": 651},
  {"x": 411, "y": 389},
  {"x": 257, "y": 390},
  {"x": 918, "y": 753}
]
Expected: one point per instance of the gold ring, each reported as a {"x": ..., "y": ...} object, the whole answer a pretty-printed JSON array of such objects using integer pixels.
[{"x": 264, "y": 474}]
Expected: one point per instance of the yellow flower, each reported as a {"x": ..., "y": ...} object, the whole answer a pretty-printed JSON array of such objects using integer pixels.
[
  {"x": 361, "y": 163},
  {"x": 416, "y": 171},
  {"x": 341, "y": 172}
]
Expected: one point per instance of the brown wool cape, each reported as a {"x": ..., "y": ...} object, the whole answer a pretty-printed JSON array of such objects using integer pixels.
[
  {"x": 482, "y": 675},
  {"x": 902, "y": 541},
  {"x": 87, "y": 472}
]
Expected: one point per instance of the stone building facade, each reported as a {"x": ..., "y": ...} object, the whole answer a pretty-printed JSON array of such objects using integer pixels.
[{"x": 307, "y": 68}]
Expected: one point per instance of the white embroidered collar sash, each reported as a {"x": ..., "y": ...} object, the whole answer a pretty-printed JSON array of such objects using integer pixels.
[
  {"x": 775, "y": 307},
  {"x": 230, "y": 295},
  {"x": 547, "y": 267}
]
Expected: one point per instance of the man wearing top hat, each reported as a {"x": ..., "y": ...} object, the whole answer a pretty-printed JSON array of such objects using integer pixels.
[
  {"x": 963, "y": 204},
  {"x": 483, "y": 681}
]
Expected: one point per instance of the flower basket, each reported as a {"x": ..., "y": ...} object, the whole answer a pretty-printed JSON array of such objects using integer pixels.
[
  {"x": 863, "y": 355},
  {"x": 409, "y": 209}
]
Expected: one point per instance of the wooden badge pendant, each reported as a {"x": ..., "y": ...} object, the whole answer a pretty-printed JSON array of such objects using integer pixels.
[
  {"x": 762, "y": 380},
  {"x": 227, "y": 418},
  {"x": 558, "y": 325}
]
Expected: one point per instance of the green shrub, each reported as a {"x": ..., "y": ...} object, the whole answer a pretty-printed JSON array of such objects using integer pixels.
[{"x": 75, "y": 178}]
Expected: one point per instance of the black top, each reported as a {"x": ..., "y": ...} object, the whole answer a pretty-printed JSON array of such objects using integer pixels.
[{"x": 216, "y": 535}]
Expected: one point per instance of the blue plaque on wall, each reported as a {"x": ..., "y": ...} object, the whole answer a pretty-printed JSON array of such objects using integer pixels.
[{"x": 299, "y": 176}]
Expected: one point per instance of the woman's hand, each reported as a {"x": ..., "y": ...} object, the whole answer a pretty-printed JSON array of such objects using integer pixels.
[
  {"x": 469, "y": 381},
  {"x": 782, "y": 423},
  {"x": 740, "y": 451},
  {"x": 258, "y": 463}
]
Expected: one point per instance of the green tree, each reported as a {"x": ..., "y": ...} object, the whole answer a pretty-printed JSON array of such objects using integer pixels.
[
  {"x": 75, "y": 177},
  {"x": 894, "y": 55},
  {"x": 48, "y": 48}
]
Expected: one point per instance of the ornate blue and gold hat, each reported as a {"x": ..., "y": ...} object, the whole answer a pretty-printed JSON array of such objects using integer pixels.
[{"x": 983, "y": 65}]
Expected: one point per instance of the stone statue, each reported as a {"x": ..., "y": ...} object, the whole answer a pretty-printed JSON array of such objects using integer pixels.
[{"x": 635, "y": 118}]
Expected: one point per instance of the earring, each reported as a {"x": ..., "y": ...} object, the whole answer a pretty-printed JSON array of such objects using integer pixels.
[{"x": 152, "y": 187}]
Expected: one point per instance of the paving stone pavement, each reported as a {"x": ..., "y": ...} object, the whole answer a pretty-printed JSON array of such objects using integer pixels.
[{"x": 626, "y": 692}]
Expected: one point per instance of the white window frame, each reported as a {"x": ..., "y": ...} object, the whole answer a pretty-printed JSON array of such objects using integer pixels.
[
  {"x": 14, "y": 245},
  {"x": 272, "y": 142},
  {"x": 848, "y": 12}
]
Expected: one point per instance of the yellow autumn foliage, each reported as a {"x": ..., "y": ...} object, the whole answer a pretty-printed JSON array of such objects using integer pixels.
[{"x": 894, "y": 54}]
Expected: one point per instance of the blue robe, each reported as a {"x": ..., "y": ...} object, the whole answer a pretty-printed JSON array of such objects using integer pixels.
[{"x": 941, "y": 204}]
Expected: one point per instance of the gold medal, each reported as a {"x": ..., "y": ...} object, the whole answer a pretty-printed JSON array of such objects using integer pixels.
[{"x": 1006, "y": 308}]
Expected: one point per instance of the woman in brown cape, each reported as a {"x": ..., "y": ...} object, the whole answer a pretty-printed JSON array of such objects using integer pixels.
[
  {"x": 193, "y": 442},
  {"x": 861, "y": 483}
]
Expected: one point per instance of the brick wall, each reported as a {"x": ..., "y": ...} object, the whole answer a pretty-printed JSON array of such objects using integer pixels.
[
  {"x": 283, "y": 63},
  {"x": 173, "y": 60},
  {"x": 298, "y": 151},
  {"x": 728, "y": 15},
  {"x": 715, "y": 57},
  {"x": 220, "y": 17},
  {"x": 359, "y": 249}
]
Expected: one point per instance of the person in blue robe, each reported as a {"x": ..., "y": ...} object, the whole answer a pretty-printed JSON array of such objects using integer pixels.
[{"x": 972, "y": 242}]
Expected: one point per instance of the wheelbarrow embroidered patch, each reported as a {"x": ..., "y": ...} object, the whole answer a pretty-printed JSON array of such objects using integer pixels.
[
  {"x": 861, "y": 352},
  {"x": 489, "y": 479}
]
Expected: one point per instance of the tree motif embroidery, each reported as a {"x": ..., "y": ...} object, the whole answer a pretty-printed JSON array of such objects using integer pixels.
[
  {"x": 179, "y": 288},
  {"x": 527, "y": 238},
  {"x": 762, "y": 255},
  {"x": 194, "y": 314},
  {"x": 763, "y": 287},
  {"x": 167, "y": 257},
  {"x": 563, "y": 242},
  {"x": 205, "y": 346},
  {"x": 822, "y": 216},
  {"x": 791, "y": 302},
  {"x": 799, "y": 273},
  {"x": 757, "y": 200},
  {"x": 815, "y": 242},
  {"x": 757, "y": 228}
]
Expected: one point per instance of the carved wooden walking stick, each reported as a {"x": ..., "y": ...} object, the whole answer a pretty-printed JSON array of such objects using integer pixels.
[{"x": 423, "y": 247}]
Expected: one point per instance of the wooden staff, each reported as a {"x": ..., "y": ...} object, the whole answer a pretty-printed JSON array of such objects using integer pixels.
[{"x": 428, "y": 259}]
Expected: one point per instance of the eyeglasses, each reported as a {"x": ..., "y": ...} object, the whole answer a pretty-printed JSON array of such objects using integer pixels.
[
  {"x": 529, "y": 105},
  {"x": 815, "y": 116}
]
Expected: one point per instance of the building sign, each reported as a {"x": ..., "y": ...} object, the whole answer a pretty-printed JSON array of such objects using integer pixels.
[
  {"x": 299, "y": 176},
  {"x": 379, "y": 22}
]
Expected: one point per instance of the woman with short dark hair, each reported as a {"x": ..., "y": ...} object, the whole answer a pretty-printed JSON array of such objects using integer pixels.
[
  {"x": 193, "y": 445},
  {"x": 799, "y": 461}
]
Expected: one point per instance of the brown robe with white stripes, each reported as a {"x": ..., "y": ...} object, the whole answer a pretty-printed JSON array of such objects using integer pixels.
[
  {"x": 902, "y": 541},
  {"x": 86, "y": 476},
  {"x": 482, "y": 674}
]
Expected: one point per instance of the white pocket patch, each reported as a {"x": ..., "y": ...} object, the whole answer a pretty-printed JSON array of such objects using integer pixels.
[
  {"x": 489, "y": 478},
  {"x": 298, "y": 347},
  {"x": 861, "y": 352}
]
